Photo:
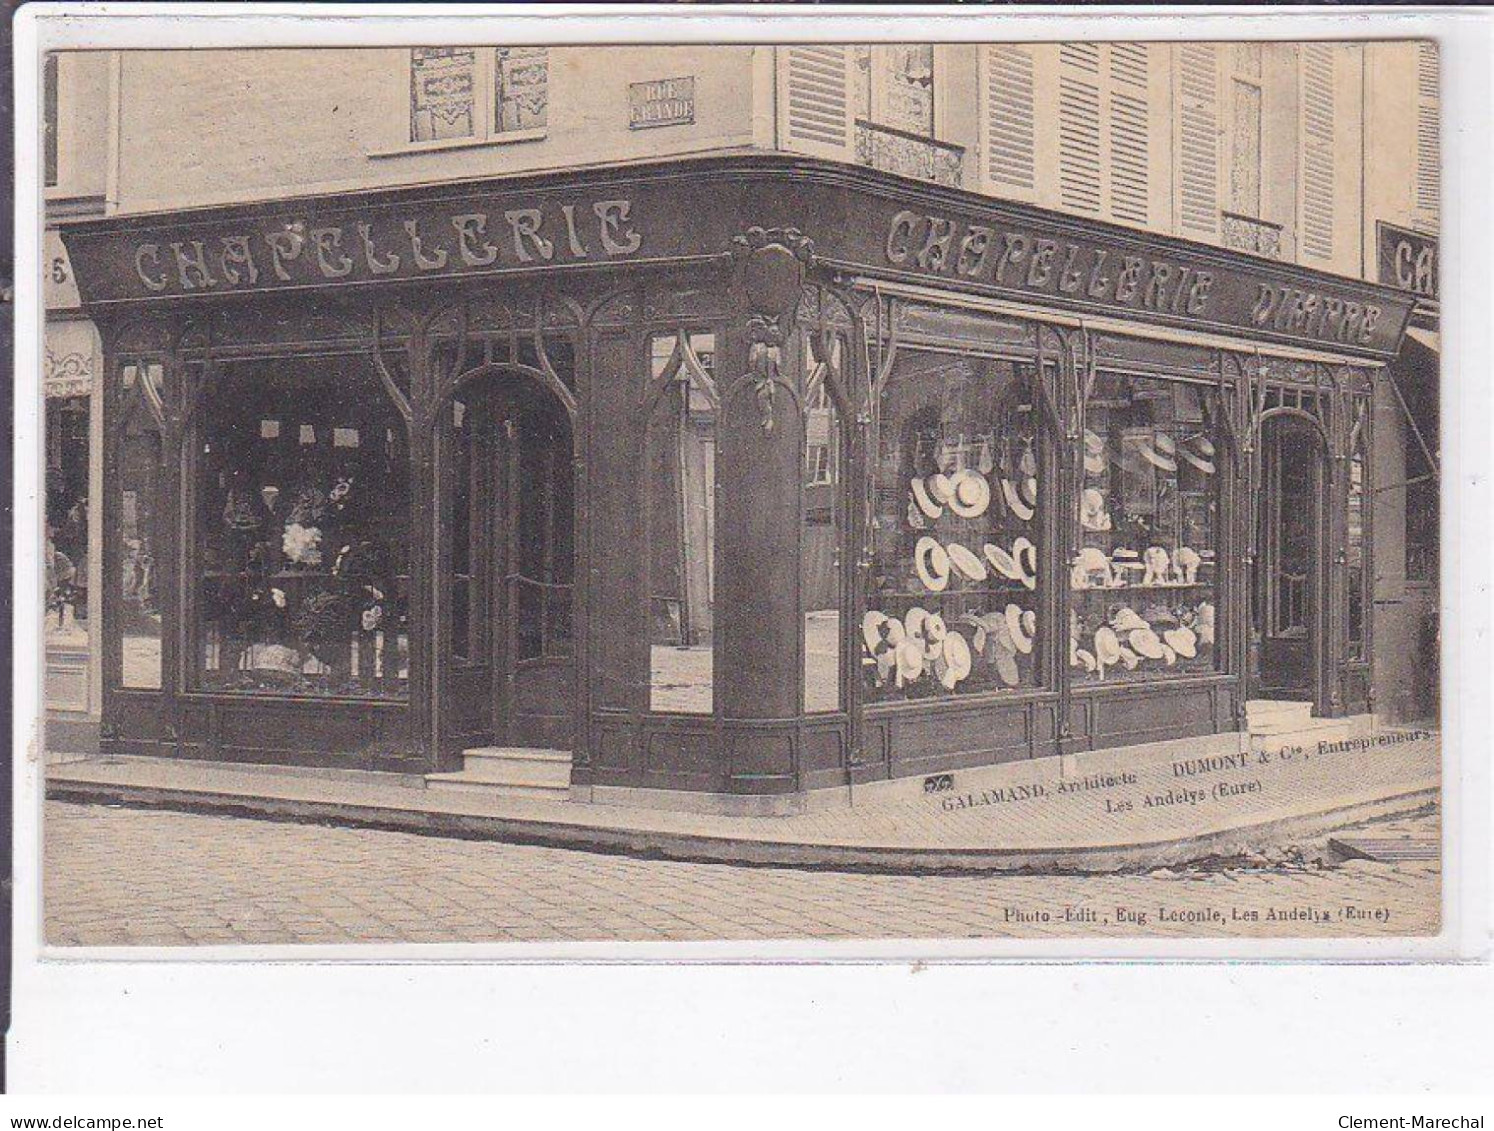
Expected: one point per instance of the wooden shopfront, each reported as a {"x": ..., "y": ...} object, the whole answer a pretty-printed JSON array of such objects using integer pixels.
[{"x": 744, "y": 476}]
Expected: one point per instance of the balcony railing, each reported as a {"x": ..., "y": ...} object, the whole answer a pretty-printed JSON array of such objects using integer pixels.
[
  {"x": 896, "y": 151},
  {"x": 1245, "y": 233}
]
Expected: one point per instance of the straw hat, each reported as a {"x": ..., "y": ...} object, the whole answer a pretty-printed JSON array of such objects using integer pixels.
[
  {"x": 1161, "y": 452},
  {"x": 966, "y": 564},
  {"x": 1028, "y": 490},
  {"x": 1200, "y": 454},
  {"x": 1145, "y": 643},
  {"x": 927, "y": 505},
  {"x": 1014, "y": 502},
  {"x": 955, "y": 657},
  {"x": 971, "y": 494},
  {"x": 1029, "y": 622},
  {"x": 1020, "y": 637},
  {"x": 1107, "y": 645},
  {"x": 941, "y": 487},
  {"x": 1091, "y": 569},
  {"x": 913, "y": 624},
  {"x": 1086, "y": 659},
  {"x": 1169, "y": 654},
  {"x": 1025, "y": 554},
  {"x": 880, "y": 632},
  {"x": 1002, "y": 562},
  {"x": 909, "y": 662},
  {"x": 1094, "y": 453},
  {"x": 1187, "y": 561},
  {"x": 1129, "y": 658},
  {"x": 1126, "y": 619},
  {"x": 932, "y": 564},
  {"x": 1182, "y": 641}
]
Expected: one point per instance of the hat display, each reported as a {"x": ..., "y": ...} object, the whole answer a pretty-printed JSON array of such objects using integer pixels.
[
  {"x": 1094, "y": 453},
  {"x": 1145, "y": 643},
  {"x": 966, "y": 564},
  {"x": 971, "y": 494},
  {"x": 1157, "y": 563},
  {"x": 1203, "y": 622},
  {"x": 1028, "y": 490},
  {"x": 1107, "y": 645},
  {"x": 876, "y": 632},
  {"x": 1092, "y": 512},
  {"x": 921, "y": 497},
  {"x": 932, "y": 564},
  {"x": 1091, "y": 570},
  {"x": 934, "y": 634},
  {"x": 941, "y": 488},
  {"x": 1161, "y": 452},
  {"x": 1182, "y": 641},
  {"x": 1187, "y": 561},
  {"x": 1014, "y": 502},
  {"x": 1025, "y": 554},
  {"x": 955, "y": 657},
  {"x": 1020, "y": 638},
  {"x": 1029, "y": 622},
  {"x": 1200, "y": 453},
  {"x": 1129, "y": 658},
  {"x": 1003, "y": 562},
  {"x": 1086, "y": 659},
  {"x": 1126, "y": 619},
  {"x": 909, "y": 662}
]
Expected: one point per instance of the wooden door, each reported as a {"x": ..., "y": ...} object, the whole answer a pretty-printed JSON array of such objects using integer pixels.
[{"x": 533, "y": 575}]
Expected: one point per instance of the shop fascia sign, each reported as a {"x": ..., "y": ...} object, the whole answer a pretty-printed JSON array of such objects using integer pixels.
[
  {"x": 385, "y": 247},
  {"x": 1113, "y": 279},
  {"x": 1408, "y": 260}
]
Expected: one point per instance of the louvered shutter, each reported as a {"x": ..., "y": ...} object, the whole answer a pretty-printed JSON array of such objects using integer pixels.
[
  {"x": 1010, "y": 150},
  {"x": 814, "y": 100},
  {"x": 1317, "y": 160},
  {"x": 1428, "y": 134},
  {"x": 1079, "y": 183},
  {"x": 1129, "y": 138},
  {"x": 1198, "y": 139}
]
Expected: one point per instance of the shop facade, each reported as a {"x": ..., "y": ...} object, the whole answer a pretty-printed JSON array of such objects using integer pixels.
[{"x": 744, "y": 476}]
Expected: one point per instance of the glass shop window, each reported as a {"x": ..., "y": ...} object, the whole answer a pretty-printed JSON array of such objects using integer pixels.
[
  {"x": 303, "y": 531},
  {"x": 820, "y": 543},
  {"x": 680, "y": 541},
  {"x": 141, "y": 539},
  {"x": 1354, "y": 552},
  {"x": 1144, "y": 581},
  {"x": 67, "y": 520},
  {"x": 956, "y": 531}
]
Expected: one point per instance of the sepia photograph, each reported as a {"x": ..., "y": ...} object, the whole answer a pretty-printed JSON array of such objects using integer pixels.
[{"x": 807, "y": 492}]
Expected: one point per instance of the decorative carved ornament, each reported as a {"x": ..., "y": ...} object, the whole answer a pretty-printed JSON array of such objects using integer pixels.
[{"x": 772, "y": 263}]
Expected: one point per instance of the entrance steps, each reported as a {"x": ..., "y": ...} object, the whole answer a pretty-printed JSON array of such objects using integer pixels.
[
  {"x": 1268, "y": 719},
  {"x": 509, "y": 771}
]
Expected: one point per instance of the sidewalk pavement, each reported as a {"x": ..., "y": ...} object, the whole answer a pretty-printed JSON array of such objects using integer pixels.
[{"x": 1085, "y": 813}]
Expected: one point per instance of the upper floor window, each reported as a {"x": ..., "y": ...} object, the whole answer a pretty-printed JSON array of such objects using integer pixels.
[
  {"x": 894, "y": 86},
  {"x": 478, "y": 94}
]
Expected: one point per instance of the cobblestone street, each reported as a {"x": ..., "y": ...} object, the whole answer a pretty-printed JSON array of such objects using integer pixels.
[{"x": 120, "y": 876}]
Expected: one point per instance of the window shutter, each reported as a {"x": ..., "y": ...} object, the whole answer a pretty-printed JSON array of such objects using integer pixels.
[
  {"x": 1130, "y": 133},
  {"x": 1198, "y": 139},
  {"x": 1317, "y": 151},
  {"x": 1428, "y": 133},
  {"x": 814, "y": 86},
  {"x": 1079, "y": 187},
  {"x": 1009, "y": 141}
]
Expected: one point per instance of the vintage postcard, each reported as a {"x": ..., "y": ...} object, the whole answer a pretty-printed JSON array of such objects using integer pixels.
[{"x": 818, "y": 491}]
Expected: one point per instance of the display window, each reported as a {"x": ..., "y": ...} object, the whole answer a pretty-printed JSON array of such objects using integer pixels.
[
  {"x": 302, "y": 480},
  {"x": 956, "y": 530},
  {"x": 1143, "y": 583},
  {"x": 67, "y": 520},
  {"x": 141, "y": 538},
  {"x": 823, "y": 527},
  {"x": 1354, "y": 550},
  {"x": 680, "y": 470}
]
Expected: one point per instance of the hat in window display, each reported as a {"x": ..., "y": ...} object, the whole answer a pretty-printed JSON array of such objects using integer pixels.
[
  {"x": 953, "y": 664},
  {"x": 1025, "y": 554},
  {"x": 1200, "y": 453},
  {"x": 941, "y": 488},
  {"x": 1028, "y": 490},
  {"x": 1092, "y": 512},
  {"x": 924, "y": 503},
  {"x": 1157, "y": 564},
  {"x": 1203, "y": 623},
  {"x": 1014, "y": 501},
  {"x": 1091, "y": 570},
  {"x": 1021, "y": 637},
  {"x": 1094, "y": 453},
  {"x": 1186, "y": 561},
  {"x": 1127, "y": 619},
  {"x": 1003, "y": 562},
  {"x": 1169, "y": 654},
  {"x": 932, "y": 564},
  {"x": 881, "y": 633},
  {"x": 1146, "y": 643},
  {"x": 971, "y": 494},
  {"x": 1006, "y": 667},
  {"x": 1182, "y": 641},
  {"x": 1129, "y": 658},
  {"x": 1161, "y": 452},
  {"x": 965, "y": 563},
  {"x": 1107, "y": 645},
  {"x": 909, "y": 662}
]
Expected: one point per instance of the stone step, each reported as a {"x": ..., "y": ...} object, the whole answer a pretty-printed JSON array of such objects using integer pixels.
[
  {"x": 1278, "y": 713},
  {"x": 464, "y": 783},
  {"x": 516, "y": 765}
]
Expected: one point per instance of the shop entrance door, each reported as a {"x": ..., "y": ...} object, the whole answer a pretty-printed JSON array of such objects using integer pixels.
[
  {"x": 532, "y": 571},
  {"x": 1288, "y": 585}
]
